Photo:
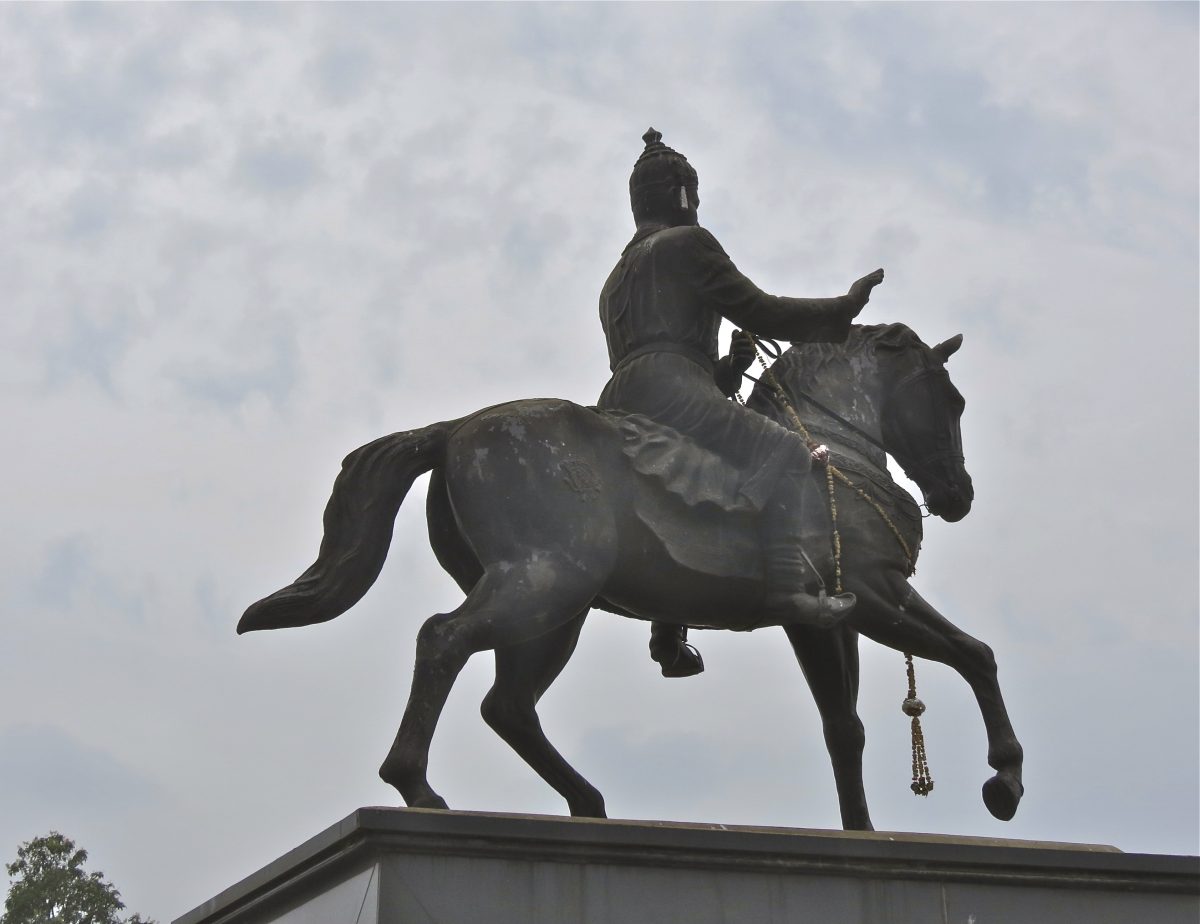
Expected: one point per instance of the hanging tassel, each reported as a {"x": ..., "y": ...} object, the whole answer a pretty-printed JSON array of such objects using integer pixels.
[{"x": 922, "y": 782}]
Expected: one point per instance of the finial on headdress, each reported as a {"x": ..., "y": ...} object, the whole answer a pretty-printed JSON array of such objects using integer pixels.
[{"x": 654, "y": 145}]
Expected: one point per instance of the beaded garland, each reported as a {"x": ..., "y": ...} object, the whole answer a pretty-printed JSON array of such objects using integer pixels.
[{"x": 922, "y": 781}]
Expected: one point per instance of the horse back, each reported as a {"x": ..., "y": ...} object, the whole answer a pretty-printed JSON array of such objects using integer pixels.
[
  {"x": 550, "y": 475},
  {"x": 534, "y": 475}
]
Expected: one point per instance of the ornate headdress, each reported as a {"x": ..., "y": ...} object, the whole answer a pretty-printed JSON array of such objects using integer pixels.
[{"x": 659, "y": 165}]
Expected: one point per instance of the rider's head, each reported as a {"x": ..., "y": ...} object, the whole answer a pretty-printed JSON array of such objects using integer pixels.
[{"x": 663, "y": 186}]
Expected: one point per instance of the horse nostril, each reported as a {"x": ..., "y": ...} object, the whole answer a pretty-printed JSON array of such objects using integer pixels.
[{"x": 955, "y": 514}]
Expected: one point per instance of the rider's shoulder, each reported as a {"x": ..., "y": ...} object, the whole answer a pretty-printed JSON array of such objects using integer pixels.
[{"x": 690, "y": 236}]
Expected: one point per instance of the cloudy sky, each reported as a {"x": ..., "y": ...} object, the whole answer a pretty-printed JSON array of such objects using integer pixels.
[{"x": 239, "y": 241}]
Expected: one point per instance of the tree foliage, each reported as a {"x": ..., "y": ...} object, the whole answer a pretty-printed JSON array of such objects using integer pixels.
[{"x": 50, "y": 886}]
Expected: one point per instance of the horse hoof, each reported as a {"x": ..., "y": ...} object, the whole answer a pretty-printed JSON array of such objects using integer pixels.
[
  {"x": 1002, "y": 794},
  {"x": 590, "y": 805},
  {"x": 432, "y": 801}
]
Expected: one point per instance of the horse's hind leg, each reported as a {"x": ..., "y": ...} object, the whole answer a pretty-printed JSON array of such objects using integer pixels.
[
  {"x": 917, "y": 628},
  {"x": 829, "y": 659},
  {"x": 523, "y": 673},
  {"x": 512, "y": 603}
]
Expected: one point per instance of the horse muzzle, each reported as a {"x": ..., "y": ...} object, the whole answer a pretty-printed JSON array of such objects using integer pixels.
[{"x": 951, "y": 502}]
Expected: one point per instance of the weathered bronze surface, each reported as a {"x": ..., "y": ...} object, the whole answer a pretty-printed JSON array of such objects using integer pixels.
[
  {"x": 661, "y": 308},
  {"x": 667, "y": 506}
]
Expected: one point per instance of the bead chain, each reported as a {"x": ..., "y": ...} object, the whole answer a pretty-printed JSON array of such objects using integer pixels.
[{"x": 922, "y": 781}]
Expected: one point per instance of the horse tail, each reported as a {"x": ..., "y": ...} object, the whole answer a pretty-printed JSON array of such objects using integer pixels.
[{"x": 358, "y": 521}]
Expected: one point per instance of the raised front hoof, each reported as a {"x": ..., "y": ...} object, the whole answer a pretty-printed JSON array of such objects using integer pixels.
[{"x": 1002, "y": 794}]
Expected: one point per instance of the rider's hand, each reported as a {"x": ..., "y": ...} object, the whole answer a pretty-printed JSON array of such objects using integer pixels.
[
  {"x": 860, "y": 292},
  {"x": 729, "y": 368},
  {"x": 741, "y": 352}
]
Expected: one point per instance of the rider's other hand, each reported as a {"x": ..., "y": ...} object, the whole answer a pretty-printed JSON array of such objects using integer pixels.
[
  {"x": 741, "y": 351},
  {"x": 860, "y": 292}
]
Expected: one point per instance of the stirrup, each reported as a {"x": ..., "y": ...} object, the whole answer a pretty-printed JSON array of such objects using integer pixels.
[{"x": 686, "y": 663}]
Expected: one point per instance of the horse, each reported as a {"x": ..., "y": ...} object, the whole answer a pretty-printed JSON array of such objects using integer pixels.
[{"x": 536, "y": 511}]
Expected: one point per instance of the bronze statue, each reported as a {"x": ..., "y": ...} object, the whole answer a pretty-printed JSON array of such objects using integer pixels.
[
  {"x": 661, "y": 308},
  {"x": 542, "y": 510}
]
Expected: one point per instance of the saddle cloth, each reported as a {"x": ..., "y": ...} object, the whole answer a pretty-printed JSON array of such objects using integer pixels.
[
  {"x": 679, "y": 464},
  {"x": 683, "y": 472}
]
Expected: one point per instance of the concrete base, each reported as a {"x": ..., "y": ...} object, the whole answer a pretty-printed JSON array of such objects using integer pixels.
[{"x": 385, "y": 866}]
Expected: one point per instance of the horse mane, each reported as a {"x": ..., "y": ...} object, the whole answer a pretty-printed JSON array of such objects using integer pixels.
[{"x": 805, "y": 364}]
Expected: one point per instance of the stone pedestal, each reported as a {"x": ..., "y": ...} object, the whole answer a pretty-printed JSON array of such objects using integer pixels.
[{"x": 386, "y": 866}]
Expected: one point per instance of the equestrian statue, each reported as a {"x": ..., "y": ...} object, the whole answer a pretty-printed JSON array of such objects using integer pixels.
[{"x": 673, "y": 503}]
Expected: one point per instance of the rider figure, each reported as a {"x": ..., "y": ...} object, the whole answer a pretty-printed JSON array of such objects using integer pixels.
[{"x": 661, "y": 309}]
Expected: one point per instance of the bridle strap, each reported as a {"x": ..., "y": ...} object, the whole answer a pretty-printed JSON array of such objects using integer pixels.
[
  {"x": 918, "y": 374},
  {"x": 840, "y": 419},
  {"x": 939, "y": 455}
]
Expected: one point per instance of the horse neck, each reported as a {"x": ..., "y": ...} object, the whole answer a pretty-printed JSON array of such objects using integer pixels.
[{"x": 847, "y": 382}]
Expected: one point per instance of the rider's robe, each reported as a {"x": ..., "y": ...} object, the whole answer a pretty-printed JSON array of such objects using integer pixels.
[{"x": 661, "y": 309}]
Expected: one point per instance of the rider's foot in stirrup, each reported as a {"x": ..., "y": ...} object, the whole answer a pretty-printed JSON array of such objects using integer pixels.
[
  {"x": 678, "y": 659},
  {"x": 820, "y": 610}
]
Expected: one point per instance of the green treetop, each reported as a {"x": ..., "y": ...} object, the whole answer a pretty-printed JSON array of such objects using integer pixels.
[{"x": 50, "y": 886}]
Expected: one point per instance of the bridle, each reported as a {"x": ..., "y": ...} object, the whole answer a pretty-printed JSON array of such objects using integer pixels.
[
  {"x": 897, "y": 445},
  {"x": 899, "y": 441}
]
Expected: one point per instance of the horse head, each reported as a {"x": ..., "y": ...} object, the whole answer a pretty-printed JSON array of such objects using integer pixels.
[
  {"x": 919, "y": 419},
  {"x": 882, "y": 390}
]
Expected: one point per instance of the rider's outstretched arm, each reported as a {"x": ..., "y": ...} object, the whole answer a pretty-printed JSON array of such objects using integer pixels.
[{"x": 746, "y": 305}]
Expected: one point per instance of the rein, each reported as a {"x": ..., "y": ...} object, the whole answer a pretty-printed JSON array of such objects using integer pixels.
[
  {"x": 922, "y": 781},
  {"x": 831, "y": 471},
  {"x": 775, "y": 351},
  {"x": 840, "y": 419}
]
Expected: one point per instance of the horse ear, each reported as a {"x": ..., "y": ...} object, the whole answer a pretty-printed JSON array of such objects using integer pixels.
[{"x": 944, "y": 350}]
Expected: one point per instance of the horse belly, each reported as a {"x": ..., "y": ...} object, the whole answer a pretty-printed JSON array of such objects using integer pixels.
[
  {"x": 712, "y": 578},
  {"x": 685, "y": 597}
]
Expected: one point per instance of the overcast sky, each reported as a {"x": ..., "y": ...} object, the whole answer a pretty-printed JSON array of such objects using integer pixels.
[{"x": 239, "y": 241}]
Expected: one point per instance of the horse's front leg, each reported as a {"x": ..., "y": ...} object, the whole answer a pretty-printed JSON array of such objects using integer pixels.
[
  {"x": 829, "y": 659},
  {"x": 917, "y": 628}
]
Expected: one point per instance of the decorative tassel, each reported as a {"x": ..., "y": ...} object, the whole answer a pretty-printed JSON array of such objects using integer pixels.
[{"x": 922, "y": 782}]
